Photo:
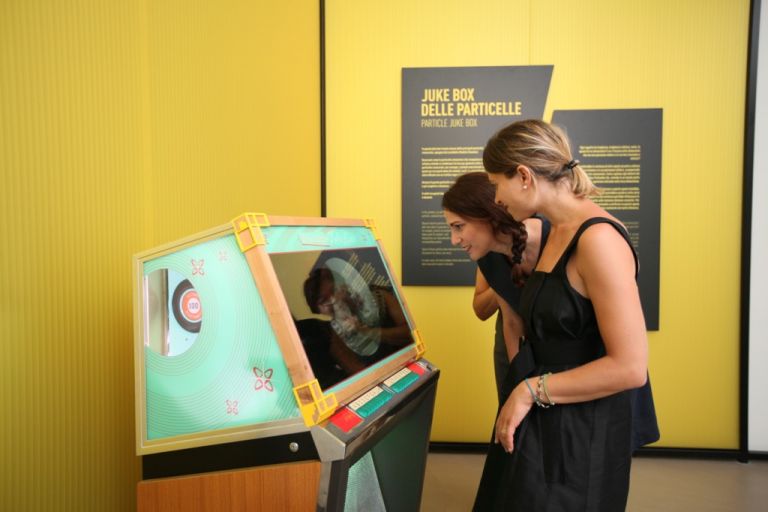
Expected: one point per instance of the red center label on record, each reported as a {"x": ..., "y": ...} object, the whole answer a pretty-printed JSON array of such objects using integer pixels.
[{"x": 190, "y": 306}]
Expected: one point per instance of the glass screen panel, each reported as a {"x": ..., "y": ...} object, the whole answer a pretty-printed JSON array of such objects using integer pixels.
[{"x": 346, "y": 309}]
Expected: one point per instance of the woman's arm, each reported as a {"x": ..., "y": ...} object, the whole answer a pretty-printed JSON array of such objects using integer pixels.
[
  {"x": 602, "y": 269},
  {"x": 512, "y": 326},
  {"x": 484, "y": 301}
]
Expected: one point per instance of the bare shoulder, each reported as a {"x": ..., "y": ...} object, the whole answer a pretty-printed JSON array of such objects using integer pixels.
[
  {"x": 533, "y": 223},
  {"x": 601, "y": 245},
  {"x": 533, "y": 227}
]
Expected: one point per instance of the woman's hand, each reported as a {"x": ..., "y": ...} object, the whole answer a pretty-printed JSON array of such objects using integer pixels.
[{"x": 511, "y": 415}]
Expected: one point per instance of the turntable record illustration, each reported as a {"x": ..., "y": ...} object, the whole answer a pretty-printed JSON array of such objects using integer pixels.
[{"x": 207, "y": 329}]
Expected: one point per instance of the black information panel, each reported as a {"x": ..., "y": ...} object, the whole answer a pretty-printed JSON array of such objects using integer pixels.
[
  {"x": 448, "y": 115},
  {"x": 621, "y": 152}
]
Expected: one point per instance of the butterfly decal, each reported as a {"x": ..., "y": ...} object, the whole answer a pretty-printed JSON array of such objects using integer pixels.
[
  {"x": 197, "y": 267},
  {"x": 263, "y": 379}
]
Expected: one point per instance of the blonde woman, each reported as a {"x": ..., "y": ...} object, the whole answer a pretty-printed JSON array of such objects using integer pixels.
[{"x": 566, "y": 427}]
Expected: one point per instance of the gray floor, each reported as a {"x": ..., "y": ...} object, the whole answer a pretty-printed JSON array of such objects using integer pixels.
[{"x": 658, "y": 484}]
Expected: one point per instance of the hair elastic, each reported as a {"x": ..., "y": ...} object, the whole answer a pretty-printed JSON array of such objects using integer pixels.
[{"x": 570, "y": 165}]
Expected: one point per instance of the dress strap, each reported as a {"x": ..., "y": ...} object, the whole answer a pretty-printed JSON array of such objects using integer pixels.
[
  {"x": 545, "y": 228},
  {"x": 586, "y": 224}
]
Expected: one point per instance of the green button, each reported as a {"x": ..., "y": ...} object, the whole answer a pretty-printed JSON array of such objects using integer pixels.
[
  {"x": 373, "y": 404},
  {"x": 405, "y": 382}
]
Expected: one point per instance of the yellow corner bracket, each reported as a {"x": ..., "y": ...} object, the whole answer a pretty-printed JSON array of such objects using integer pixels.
[
  {"x": 370, "y": 224},
  {"x": 419, "y": 342},
  {"x": 319, "y": 408},
  {"x": 247, "y": 229}
]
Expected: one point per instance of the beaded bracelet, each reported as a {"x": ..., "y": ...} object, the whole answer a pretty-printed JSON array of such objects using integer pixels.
[
  {"x": 541, "y": 385},
  {"x": 535, "y": 396}
]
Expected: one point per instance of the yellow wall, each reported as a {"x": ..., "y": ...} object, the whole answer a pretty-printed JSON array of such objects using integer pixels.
[
  {"x": 123, "y": 125},
  {"x": 687, "y": 57}
]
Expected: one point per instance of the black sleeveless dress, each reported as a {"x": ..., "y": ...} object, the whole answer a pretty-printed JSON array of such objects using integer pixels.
[{"x": 570, "y": 457}]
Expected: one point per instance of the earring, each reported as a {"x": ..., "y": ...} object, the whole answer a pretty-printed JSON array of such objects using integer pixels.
[{"x": 525, "y": 187}]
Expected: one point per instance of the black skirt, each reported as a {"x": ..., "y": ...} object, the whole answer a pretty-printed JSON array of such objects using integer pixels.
[{"x": 572, "y": 457}]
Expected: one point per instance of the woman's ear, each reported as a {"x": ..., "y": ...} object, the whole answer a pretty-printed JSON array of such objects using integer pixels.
[{"x": 526, "y": 175}]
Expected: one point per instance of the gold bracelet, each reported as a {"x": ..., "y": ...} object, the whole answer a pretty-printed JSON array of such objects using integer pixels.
[{"x": 542, "y": 386}]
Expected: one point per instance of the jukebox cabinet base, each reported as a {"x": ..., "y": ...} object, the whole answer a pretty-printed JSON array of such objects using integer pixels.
[
  {"x": 384, "y": 458},
  {"x": 373, "y": 464},
  {"x": 288, "y": 487}
]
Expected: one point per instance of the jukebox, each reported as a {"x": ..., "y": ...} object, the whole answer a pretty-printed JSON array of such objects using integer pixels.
[{"x": 278, "y": 368}]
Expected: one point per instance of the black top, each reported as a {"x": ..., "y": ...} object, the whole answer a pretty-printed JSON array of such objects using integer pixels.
[{"x": 560, "y": 323}]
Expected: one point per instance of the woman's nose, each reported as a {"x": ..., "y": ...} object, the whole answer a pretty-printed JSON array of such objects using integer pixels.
[{"x": 455, "y": 238}]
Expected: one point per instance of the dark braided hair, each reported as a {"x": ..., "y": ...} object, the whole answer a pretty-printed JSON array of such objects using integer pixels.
[{"x": 472, "y": 196}]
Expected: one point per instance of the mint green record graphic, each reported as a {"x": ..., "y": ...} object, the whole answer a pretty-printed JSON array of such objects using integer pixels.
[{"x": 211, "y": 357}]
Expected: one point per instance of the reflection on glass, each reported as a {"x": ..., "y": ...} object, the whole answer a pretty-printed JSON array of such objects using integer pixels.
[
  {"x": 345, "y": 308},
  {"x": 173, "y": 314}
]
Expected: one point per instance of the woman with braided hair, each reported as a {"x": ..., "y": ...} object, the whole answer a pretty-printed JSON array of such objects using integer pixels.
[
  {"x": 571, "y": 415},
  {"x": 505, "y": 251}
]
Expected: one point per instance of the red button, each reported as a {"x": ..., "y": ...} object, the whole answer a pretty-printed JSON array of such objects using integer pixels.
[
  {"x": 416, "y": 368},
  {"x": 346, "y": 420}
]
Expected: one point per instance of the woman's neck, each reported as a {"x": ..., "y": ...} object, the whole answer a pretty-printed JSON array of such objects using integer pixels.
[
  {"x": 503, "y": 244},
  {"x": 561, "y": 207}
]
